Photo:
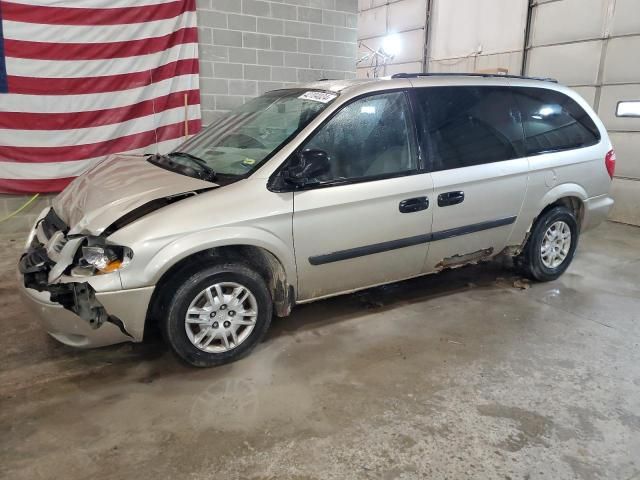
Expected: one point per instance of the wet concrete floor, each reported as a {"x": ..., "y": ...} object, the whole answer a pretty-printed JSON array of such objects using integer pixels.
[{"x": 451, "y": 376}]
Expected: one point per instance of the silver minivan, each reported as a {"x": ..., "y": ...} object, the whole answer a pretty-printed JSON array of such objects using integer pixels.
[{"x": 315, "y": 191}]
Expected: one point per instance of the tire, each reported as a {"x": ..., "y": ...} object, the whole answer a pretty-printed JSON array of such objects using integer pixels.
[
  {"x": 546, "y": 267},
  {"x": 220, "y": 318}
]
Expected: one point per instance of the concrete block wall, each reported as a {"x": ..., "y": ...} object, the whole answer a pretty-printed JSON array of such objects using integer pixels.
[{"x": 248, "y": 47}]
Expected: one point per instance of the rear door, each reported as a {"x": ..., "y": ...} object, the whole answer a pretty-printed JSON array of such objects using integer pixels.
[
  {"x": 367, "y": 221},
  {"x": 474, "y": 145}
]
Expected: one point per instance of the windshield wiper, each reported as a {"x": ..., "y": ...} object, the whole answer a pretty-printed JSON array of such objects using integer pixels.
[{"x": 210, "y": 173}]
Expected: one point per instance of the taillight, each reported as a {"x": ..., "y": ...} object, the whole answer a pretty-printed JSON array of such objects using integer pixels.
[{"x": 610, "y": 162}]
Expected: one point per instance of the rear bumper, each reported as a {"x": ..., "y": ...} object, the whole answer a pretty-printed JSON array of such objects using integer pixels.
[{"x": 596, "y": 210}]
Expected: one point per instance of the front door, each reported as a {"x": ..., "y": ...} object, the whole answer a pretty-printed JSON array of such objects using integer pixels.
[
  {"x": 475, "y": 144},
  {"x": 367, "y": 221}
]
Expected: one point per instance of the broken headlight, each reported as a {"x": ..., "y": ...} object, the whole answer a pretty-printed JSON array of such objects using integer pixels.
[{"x": 106, "y": 258}]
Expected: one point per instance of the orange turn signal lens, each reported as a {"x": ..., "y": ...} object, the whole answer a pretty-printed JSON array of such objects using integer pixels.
[{"x": 111, "y": 266}]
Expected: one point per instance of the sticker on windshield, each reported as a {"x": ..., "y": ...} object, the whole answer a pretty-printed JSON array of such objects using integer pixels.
[{"x": 322, "y": 97}]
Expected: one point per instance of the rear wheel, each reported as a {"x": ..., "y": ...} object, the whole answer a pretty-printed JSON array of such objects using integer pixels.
[
  {"x": 218, "y": 315},
  {"x": 551, "y": 246}
]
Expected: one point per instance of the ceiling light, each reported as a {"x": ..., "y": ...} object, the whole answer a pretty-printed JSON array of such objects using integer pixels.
[{"x": 391, "y": 45}]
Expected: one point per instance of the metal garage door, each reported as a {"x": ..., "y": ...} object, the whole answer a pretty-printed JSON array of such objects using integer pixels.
[{"x": 592, "y": 45}]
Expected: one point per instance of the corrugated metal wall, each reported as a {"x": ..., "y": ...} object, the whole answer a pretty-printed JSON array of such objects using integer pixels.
[
  {"x": 590, "y": 45},
  {"x": 406, "y": 18},
  {"x": 593, "y": 45},
  {"x": 472, "y": 35}
]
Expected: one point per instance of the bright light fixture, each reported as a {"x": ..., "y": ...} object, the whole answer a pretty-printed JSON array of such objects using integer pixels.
[
  {"x": 548, "y": 110},
  {"x": 628, "y": 109},
  {"x": 391, "y": 44}
]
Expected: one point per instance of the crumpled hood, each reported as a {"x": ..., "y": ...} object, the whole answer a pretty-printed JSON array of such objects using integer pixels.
[{"x": 113, "y": 188}]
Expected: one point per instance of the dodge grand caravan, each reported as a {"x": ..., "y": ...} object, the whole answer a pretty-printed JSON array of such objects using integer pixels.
[{"x": 314, "y": 191}]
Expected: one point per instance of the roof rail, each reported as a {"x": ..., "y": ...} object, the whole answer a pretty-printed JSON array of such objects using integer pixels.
[{"x": 486, "y": 75}]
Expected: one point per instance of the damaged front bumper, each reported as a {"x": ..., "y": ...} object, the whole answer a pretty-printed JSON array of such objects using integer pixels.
[
  {"x": 81, "y": 312},
  {"x": 68, "y": 328}
]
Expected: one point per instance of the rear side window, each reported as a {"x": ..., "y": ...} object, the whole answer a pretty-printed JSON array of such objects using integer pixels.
[
  {"x": 466, "y": 126},
  {"x": 553, "y": 121}
]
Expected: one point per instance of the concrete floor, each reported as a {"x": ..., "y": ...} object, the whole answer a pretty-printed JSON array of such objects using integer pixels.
[{"x": 457, "y": 375}]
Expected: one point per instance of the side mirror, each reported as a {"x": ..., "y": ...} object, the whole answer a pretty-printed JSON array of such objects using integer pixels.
[{"x": 310, "y": 165}]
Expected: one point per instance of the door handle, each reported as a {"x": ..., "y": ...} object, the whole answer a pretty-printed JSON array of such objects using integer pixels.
[
  {"x": 414, "y": 204},
  {"x": 450, "y": 198}
]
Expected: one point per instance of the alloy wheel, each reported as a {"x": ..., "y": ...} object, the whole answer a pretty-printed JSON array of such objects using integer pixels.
[
  {"x": 556, "y": 244},
  {"x": 221, "y": 317}
]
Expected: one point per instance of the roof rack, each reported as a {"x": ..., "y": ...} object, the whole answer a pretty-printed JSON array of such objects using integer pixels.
[{"x": 486, "y": 75}]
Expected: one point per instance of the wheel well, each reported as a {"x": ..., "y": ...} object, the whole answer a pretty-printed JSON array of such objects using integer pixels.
[
  {"x": 572, "y": 203},
  {"x": 261, "y": 260}
]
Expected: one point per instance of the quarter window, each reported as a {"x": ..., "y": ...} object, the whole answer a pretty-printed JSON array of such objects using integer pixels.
[
  {"x": 553, "y": 121},
  {"x": 466, "y": 126},
  {"x": 371, "y": 137}
]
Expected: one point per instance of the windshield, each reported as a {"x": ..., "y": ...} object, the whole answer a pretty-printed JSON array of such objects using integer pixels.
[{"x": 239, "y": 141}]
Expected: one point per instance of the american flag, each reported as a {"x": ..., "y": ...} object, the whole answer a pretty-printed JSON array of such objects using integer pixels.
[{"x": 83, "y": 79}]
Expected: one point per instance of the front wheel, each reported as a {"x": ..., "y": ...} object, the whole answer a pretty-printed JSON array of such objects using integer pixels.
[
  {"x": 551, "y": 246},
  {"x": 218, "y": 315}
]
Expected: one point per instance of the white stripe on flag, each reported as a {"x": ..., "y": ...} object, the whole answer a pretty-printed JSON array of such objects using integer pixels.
[
  {"x": 83, "y": 136},
  {"x": 44, "y": 171},
  {"x": 96, "y": 101},
  {"x": 78, "y": 68},
  {"x": 34, "y": 32}
]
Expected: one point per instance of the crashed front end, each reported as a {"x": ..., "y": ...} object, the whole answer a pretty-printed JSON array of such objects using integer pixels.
[{"x": 81, "y": 303}]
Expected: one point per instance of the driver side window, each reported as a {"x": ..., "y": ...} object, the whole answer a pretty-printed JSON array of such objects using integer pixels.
[{"x": 371, "y": 137}]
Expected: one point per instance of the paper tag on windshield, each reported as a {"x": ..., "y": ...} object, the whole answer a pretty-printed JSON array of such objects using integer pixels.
[{"x": 322, "y": 97}]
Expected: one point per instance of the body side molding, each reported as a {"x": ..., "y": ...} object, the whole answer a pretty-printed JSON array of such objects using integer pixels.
[{"x": 408, "y": 241}]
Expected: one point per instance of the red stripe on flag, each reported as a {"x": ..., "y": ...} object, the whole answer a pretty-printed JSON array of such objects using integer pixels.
[
  {"x": 107, "y": 83},
  {"x": 19, "y": 12},
  {"x": 98, "y": 51},
  {"x": 30, "y": 186},
  {"x": 96, "y": 118},
  {"x": 99, "y": 149}
]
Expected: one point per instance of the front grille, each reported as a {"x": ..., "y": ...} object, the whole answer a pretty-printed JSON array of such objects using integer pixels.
[
  {"x": 55, "y": 244},
  {"x": 34, "y": 261},
  {"x": 44, "y": 251},
  {"x": 50, "y": 236},
  {"x": 59, "y": 244},
  {"x": 52, "y": 223}
]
